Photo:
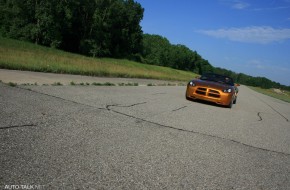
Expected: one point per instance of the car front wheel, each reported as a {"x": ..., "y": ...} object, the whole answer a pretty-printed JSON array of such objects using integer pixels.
[
  {"x": 230, "y": 105},
  {"x": 235, "y": 101}
]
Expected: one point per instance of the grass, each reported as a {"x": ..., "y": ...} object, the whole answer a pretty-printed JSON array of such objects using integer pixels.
[
  {"x": 29, "y": 84},
  {"x": 19, "y": 55},
  {"x": 128, "y": 84},
  {"x": 56, "y": 84},
  {"x": 103, "y": 84},
  {"x": 285, "y": 96},
  {"x": 12, "y": 84}
]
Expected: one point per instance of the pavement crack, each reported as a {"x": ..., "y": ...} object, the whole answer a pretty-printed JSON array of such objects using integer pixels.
[
  {"x": 279, "y": 113},
  {"x": 60, "y": 98},
  {"x": 179, "y": 108},
  {"x": 287, "y": 120},
  {"x": 108, "y": 108},
  {"x": 18, "y": 126},
  {"x": 190, "y": 131},
  {"x": 122, "y": 106},
  {"x": 259, "y": 115}
]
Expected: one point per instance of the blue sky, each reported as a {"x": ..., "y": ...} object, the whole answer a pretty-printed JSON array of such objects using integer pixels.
[{"x": 247, "y": 36}]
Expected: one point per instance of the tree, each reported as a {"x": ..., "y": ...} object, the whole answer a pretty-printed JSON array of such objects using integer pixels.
[
  {"x": 99, "y": 28},
  {"x": 115, "y": 29},
  {"x": 157, "y": 50}
]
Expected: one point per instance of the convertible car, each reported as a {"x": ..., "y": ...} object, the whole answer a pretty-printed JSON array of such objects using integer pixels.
[{"x": 213, "y": 88}]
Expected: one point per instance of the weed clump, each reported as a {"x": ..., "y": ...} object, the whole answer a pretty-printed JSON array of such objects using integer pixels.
[
  {"x": 12, "y": 84},
  {"x": 56, "y": 84}
]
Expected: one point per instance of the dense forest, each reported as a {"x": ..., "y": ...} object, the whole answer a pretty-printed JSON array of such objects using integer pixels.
[
  {"x": 104, "y": 28},
  {"x": 157, "y": 50},
  {"x": 98, "y": 28}
]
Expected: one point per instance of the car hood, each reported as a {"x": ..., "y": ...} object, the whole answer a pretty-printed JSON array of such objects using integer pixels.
[{"x": 211, "y": 84}]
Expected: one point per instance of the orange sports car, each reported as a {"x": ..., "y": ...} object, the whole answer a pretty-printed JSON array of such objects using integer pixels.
[{"x": 213, "y": 88}]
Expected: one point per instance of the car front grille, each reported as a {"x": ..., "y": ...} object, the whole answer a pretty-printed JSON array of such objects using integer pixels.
[
  {"x": 201, "y": 91},
  {"x": 208, "y": 92},
  {"x": 214, "y": 93}
]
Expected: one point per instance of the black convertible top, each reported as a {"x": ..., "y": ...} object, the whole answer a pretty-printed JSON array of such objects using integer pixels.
[{"x": 217, "y": 78}]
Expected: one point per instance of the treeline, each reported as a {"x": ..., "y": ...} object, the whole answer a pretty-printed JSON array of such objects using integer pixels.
[
  {"x": 98, "y": 28},
  {"x": 107, "y": 28},
  {"x": 157, "y": 50},
  {"x": 104, "y": 28},
  {"x": 250, "y": 80}
]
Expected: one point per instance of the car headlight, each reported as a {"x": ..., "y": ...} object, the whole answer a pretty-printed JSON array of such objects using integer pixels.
[
  {"x": 229, "y": 90},
  {"x": 191, "y": 83}
]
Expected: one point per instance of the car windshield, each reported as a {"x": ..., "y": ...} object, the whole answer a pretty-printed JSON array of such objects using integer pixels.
[{"x": 217, "y": 78}]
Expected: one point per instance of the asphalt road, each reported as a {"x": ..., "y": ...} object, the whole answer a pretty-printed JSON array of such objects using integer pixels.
[{"x": 87, "y": 137}]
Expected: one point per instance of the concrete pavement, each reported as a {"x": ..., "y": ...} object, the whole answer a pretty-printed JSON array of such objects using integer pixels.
[{"x": 87, "y": 137}]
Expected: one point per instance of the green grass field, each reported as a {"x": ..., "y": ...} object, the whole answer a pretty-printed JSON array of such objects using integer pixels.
[
  {"x": 285, "y": 95},
  {"x": 18, "y": 55}
]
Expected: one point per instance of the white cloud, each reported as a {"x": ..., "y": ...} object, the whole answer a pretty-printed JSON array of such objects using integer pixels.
[
  {"x": 271, "y": 8},
  {"x": 254, "y": 34},
  {"x": 235, "y": 4},
  {"x": 240, "y": 5}
]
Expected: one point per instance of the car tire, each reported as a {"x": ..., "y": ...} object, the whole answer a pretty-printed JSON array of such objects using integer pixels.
[
  {"x": 230, "y": 105},
  {"x": 187, "y": 98},
  {"x": 235, "y": 101}
]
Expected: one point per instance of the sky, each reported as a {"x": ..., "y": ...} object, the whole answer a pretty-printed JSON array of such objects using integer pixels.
[{"x": 245, "y": 36}]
